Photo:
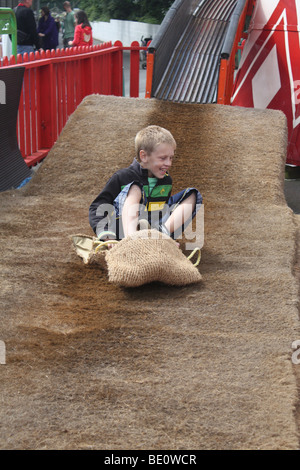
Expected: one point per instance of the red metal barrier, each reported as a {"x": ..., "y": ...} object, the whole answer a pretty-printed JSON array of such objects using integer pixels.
[
  {"x": 227, "y": 66},
  {"x": 149, "y": 77},
  {"x": 134, "y": 66},
  {"x": 55, "y": 82}
]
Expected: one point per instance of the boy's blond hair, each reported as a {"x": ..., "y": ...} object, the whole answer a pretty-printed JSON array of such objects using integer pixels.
[{"x": 150, "y": 137}]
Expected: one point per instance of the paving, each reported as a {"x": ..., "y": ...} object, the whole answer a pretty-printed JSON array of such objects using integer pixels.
[{"x": 292, "y": 188}]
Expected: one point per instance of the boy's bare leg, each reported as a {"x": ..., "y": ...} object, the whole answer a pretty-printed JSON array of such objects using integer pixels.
[
  {"x": 181, "y": 214},
  {"x": 130, "y": 212}
]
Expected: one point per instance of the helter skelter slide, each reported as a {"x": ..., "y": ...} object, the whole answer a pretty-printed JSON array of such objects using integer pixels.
[{"x": 194, "y": 57}]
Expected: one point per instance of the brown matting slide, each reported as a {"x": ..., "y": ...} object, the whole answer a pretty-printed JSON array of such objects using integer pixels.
[{"x": 90, "y": 365}]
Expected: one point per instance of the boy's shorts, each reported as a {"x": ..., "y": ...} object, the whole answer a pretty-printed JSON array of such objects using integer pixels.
[
  {"x": 155, "y": 218},
  {"x": 160, "y": 217}
]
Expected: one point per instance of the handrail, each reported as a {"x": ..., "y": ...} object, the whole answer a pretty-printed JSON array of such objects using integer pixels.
[
  {"x": 227, "y": 62},
  {"x": 233, "y": 28}
]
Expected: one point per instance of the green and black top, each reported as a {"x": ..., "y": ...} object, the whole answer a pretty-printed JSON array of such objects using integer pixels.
[{"x": 106, "y": 209}]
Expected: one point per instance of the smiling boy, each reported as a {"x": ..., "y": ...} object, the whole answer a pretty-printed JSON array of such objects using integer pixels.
[{"x": 143, "y": 192}]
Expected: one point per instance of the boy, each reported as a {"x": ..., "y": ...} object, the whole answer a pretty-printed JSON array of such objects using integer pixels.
[{"x": 143, "y": 191}]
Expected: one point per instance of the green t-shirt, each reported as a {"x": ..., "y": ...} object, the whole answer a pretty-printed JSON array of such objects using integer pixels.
[
  {"x": 152, "y": 182},
  {"x": 69, "y": 25}
]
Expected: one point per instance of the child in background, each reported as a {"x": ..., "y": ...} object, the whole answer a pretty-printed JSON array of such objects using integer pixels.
[{"x": 83, "y": 31}]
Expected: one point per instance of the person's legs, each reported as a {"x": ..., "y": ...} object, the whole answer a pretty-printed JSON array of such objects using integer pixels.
[
  {"x": 181, "y": 214},
  {"x": 183, "y": 208}
]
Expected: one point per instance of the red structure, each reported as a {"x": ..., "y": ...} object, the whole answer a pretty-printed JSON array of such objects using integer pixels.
[
  {"x": 269, "y": 72},
  {"x": 227, "y": 63},
  {"x": 54, "y": 84}
]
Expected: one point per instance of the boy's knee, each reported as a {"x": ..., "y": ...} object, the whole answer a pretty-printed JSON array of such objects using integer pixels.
[
  {"x": 192, "y": 199},
  {"x": 193, "y": 196}
]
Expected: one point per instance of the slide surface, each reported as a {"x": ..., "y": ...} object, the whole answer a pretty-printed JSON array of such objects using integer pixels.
[
  {"x": 205, "y": 366},
  {"x": 190, "y": 70}
]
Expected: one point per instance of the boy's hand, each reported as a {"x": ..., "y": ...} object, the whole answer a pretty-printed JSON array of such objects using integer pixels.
[{"x": 109, "y": 245}]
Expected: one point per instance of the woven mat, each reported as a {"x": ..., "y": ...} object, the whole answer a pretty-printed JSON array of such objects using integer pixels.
[{"x": 90, "y": 365}]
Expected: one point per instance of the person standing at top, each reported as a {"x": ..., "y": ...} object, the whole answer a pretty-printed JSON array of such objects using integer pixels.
[
  {"x": 83, "y": 31},
  {"x": 69, "y": 24},
  {"x": 27, "y": 36},
  {"x": 47, "y": 30}
]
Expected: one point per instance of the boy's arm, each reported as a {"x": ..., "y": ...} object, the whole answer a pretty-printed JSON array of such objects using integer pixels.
[{"x": 130, "y": 212}]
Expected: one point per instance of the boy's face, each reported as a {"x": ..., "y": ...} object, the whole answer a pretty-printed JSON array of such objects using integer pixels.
[{"x": 159, "y": 161}]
